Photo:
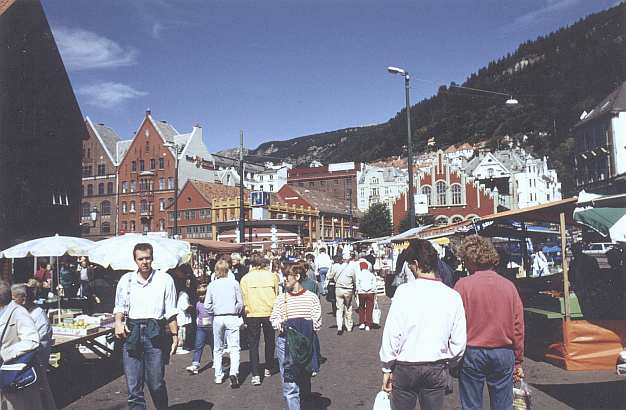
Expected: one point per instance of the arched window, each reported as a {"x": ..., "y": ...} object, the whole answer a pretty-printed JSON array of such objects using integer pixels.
[
  {"x": 132, "y": 206},
  {"x": 456, "y": 219},
  {"x": 427, "y": 191},
  {"x": 144, "y": 205},
  {"x": 105, "y": 227},
  {"x": 441, "y": 220},
  {"x": 124, "y": 207},
  {"x": 85, "y": 209},
  {"x": 105, "y": 208},
  {"x": 132, "y": 226},
  {"x": 441, "y": 193},
  {"x": 456, "y": 194}
]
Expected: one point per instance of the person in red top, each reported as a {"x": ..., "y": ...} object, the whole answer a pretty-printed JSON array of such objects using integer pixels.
[{"x": 495, "y": 328}]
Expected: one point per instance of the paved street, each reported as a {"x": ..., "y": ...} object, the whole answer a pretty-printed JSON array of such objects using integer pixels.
[{"x": 349, "y": 380}]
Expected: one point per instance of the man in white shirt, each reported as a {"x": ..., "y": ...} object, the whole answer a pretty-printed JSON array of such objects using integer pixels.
[
  {"x": 145, "y": 305},
  {"x": 424, "y": 333},
  {"x": 322, "y": 265}
]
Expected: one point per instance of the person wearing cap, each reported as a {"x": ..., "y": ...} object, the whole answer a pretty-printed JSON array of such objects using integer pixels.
[
  {"x": 237, "y": 268},
  {"x": 424, "y": 334},
  {"x": 344, "y": 275}
]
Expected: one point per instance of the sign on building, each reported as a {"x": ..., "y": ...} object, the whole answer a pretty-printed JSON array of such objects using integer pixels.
[
  {"x": 421, "y": 204},
  {"x": 259, "y": 198}
]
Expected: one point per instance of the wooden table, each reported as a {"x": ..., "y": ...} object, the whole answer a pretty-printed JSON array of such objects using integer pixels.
[{"x": 65, "y": 342}]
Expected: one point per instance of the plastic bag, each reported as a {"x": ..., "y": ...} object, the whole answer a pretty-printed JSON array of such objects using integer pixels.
[
  {"x": 376, "y": 313},
  {"x": 382, "y": 401},
  {"x": 521, "y": 396}
]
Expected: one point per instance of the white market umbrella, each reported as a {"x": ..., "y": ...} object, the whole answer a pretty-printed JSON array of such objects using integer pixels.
[
  {"x": 56, "y": 245},
  {"x": 117, "y": 252}
]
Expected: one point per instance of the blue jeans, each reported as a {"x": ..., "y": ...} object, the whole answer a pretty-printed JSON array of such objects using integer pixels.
[
  {"x": 323, "y": 272},
  {"x": 291, "y": 391},
  {"x": 204, "y": 336},
  {"x": 495, "y": 366},
  {"x": 148, "y": 369}
]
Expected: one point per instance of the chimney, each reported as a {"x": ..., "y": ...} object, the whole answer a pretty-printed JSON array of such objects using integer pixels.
[{"x": 148, "y": 112}]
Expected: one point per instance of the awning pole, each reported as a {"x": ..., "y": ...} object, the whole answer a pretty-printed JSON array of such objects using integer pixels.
[{"x": 565, "y": 267}]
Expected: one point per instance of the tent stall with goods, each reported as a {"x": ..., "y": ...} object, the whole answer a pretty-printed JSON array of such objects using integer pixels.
[{"x": 569, "y": 339}]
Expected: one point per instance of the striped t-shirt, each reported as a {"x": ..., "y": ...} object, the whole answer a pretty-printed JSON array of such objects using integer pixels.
[{"x": 302, "y": 305}]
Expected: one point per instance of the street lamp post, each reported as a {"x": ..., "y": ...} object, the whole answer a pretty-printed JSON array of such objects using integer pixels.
[
  {"x": 242, "y": 210},
  {"x": 176, "y": 147},
  {"x": 407, "y": 86},
  {"x": 93, "y": 215}
]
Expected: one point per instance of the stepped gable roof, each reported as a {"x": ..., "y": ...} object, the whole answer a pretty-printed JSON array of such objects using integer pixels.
[
  {"x": 211, "y": 190},
  {"x": 325, "y": 202},
  {"x": 614, "y": 102},
  {"x": 5, "y": 4}
]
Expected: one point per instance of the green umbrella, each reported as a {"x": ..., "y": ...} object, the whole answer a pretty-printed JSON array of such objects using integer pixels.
[{"x": 608, "y": 221}]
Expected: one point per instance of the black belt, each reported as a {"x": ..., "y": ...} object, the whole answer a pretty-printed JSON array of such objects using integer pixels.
[
  {"x": 435, "y": 363},
  {"x": 228, "y": 314}
]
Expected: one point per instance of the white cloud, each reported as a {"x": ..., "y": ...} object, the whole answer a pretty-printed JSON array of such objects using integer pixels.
[
  {"x": 108, "y": 94},
  {"x": 549, "y": 8},
  {"x": 156, "y": 30},
  {"x": 83, "y": 50}
]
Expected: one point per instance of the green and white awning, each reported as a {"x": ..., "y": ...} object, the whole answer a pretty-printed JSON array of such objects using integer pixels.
[{"x": 604, "y": 214}]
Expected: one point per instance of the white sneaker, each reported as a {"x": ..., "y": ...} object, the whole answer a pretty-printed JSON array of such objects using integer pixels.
[
  {"x": 192, "y": 369},
  {"x": 267, "y": 373},
  {"x": 367, "y": 328},
  {"x": 256, "y": 380},
  {"x": 219, "y": 380},
  {"x": 181, "y": 351},
  {"x": 362, "y": 326}
]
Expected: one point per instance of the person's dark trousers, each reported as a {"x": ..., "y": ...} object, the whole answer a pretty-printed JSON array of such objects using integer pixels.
[
  {"x": 424, "y": 382},
  {"x": 366, "y": 307},
  {"x": 255, "y": 324},
  {"x": 317, "y": 355},
  {"x": 148, "y": 369},
  {"x": 494, "y": 366}
]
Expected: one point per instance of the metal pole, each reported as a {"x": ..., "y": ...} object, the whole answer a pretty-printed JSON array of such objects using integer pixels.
[
  {"x": 242, "y": 216},
  {"x": 409, "y": 153},
  {"x": 350, "y": 199},
  {"x": 175, "y": 192},
  {"x": 566, "y": 301}
]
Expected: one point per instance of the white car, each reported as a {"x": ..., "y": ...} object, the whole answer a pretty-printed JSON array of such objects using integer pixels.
[{"x": 598, "y": 248}]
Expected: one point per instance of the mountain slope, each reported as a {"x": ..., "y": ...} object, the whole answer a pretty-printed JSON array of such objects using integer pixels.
[{"x": 555, "y": 78}]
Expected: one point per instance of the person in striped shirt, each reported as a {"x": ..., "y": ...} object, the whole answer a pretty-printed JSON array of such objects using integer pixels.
[{"x": 299, "y": 309}]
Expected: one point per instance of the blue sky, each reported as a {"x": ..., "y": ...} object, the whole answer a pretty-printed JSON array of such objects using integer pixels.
[{"x": 281, "y": 69}]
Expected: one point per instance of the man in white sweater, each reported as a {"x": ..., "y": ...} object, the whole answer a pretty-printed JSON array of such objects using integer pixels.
[{"x": 424, "y": 332}]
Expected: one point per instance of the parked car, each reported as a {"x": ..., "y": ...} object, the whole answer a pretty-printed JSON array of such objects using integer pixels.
[{"x": 598, "y": 248}]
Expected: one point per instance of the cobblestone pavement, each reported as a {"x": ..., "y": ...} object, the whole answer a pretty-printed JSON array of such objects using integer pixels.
[{"x": 349, "y": 379}]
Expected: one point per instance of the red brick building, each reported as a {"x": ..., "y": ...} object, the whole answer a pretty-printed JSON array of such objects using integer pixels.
[
  {"x": 451, "y": 195},
  {"x": 338, "y": 180}
]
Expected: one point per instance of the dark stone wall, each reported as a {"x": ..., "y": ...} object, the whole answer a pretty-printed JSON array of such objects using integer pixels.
[{"x": 41, "y": 129}]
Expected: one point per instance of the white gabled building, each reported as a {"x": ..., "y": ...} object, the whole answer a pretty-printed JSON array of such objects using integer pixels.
[{"x": 379, "y": 185}]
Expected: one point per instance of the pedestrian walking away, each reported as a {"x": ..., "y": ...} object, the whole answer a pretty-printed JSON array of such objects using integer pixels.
[
  {"x": 344, "y": 276},
  {"x": 204, "y": 330},
  {"x": 495, "y": 328},
  {"x": 145, "y": 320},
  {"x": 424, "y": 334},
  {"x": 224, "y": 302},
  {"x": 366, "y": 289},
  {"x": 322, "y": 266},
  {"x": 296, "y": 315},
  {"x": 259, "y": 289}
]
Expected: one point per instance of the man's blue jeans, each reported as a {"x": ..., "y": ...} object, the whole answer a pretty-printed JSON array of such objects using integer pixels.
[
  {"x": 323, "y": 272},
  {"x": 494, "y": 366},
  {"x": 204, "y": 336},
  {"x": 291, "y": 391},
  {"x": 148, "y": 369}
]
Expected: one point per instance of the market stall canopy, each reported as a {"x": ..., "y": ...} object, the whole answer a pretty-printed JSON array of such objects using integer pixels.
[
  {"x": 117, "y": 252},
  {"x": 604, "y": 214},
  {"x": 409, "y": 234},
  {"x": 216, "y": 246},
  {"x": 548, "y": 212},
  {"x": 56, "y": 245}
]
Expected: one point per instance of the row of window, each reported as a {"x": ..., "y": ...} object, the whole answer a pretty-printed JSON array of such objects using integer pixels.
[
  {"x": 105, "y": 228},
  {"x": 441, "y": 197},
  {"x": 142, "y": 164},
  {"x": 253, "y": 187},
  {"x": 147, "y": 185},
  {"x": 105, "y": 208},
  {"x": 145, "y": 206},
  {"x": 88, "y": 170},
  {"x": 101, "y": 191}
]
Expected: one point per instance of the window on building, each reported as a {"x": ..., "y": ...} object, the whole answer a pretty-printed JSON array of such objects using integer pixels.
[
  {"x": 427, "y": 191},
  {"x": 89, "y": 190},
  {"x": 105, "y": 227},
  {"x": 441, "y": 220},
  {"x": 456, "y": 219},
  {"x": 132, "y": 226},
  {"x": 490, "y": 172},
  {"x": 161, "y": 183},
  {"x": 441, "y": 193},
  {"x": 170, "y": 183},
  {"x": 161, "y": 163},
  {"x": 101, "y": 170},
  {"x": 109, "y": 187},
  {"x": 132, "y": 206},
  {"x": 85, "y": 209},
  {"x": 311, "y": 183},
  {"x": 87, "y": 171},
  {"x": 144, "y": 205},
  {"x": 133, "y": 166},
  {"x": 88, "y": 152},
  {"x": 161, "y": 204},
  {"x": 456, "y": 194},
  {"x": 271, "y": 188},
  {"x": 162, "y": 225},
  {"x": 271, "y": 177},
  {"x": 101, "y": 188},
  {"x": 124, "y": 207},
  {"x": 142, "y": 165},
  {"x": 124, "y": 226},
  {"x": 152, "y": 163},
  {"x": 105, "y": 208},
  {"x": 170, "y": 201},
  {"x": 147, "y": 146},
  {"x": 133, "y": 186},
  {"x": 124, "y": 187},
  {"x": 82, "y": 190},
  {"x": 260, "y": 187}
]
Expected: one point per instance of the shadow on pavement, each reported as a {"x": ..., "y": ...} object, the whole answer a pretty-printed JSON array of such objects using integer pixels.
[
  {"x": 604, "y": 395},
  {"x": 193, "y": 405},
  {"x": 316, "y": 401}
]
